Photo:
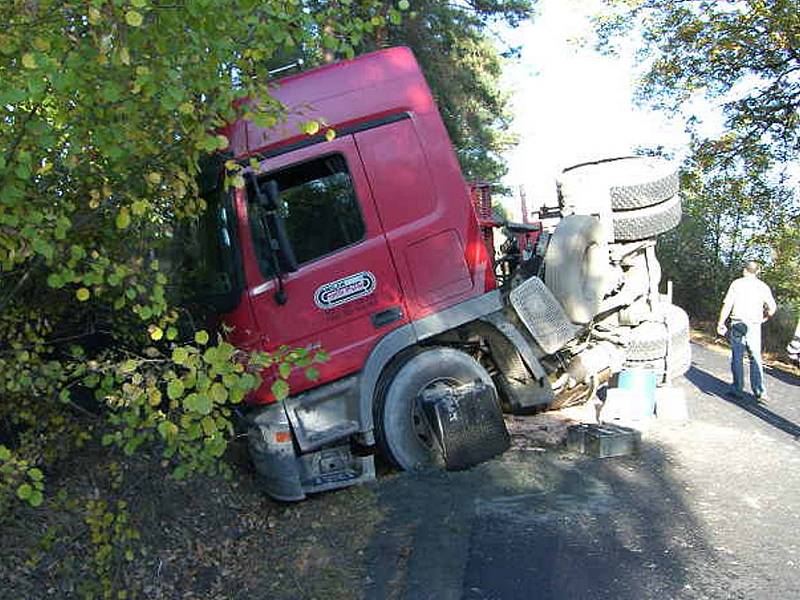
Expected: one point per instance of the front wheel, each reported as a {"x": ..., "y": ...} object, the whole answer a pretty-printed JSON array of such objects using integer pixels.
[{"x": 402, "y": 430}]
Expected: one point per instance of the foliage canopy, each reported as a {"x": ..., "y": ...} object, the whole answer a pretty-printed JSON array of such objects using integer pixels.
[
  {"x": 744, "y": 57},
  {"x": 106, "y": 107}
]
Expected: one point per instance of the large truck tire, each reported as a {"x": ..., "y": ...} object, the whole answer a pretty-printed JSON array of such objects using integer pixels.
[
  {"x": 627, "y": 183},
  {"x": 664, "y": 347},
  {"x": 646, "y": 223},
  {"x": 652, "y": 339},
  {"x": 666, "y": 369},
  {"x": 576, "y": 262},
  {"x": 401, "y": 429}
]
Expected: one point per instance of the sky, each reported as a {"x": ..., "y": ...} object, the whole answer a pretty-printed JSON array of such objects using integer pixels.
[{"x": 571, "y": 104}]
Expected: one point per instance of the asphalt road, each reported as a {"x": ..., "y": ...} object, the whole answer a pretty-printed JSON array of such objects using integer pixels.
[{"x": 709, "y": 508}]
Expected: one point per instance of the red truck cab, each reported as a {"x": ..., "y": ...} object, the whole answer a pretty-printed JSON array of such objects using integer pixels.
[{"x": 379, "y": 218}]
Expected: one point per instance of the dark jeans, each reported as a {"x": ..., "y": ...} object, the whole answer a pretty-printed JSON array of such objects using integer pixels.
[{"x": 746, "y": 337}]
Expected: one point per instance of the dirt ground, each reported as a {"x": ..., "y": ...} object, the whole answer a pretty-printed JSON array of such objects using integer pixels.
[{"x": 708, "y": 509}]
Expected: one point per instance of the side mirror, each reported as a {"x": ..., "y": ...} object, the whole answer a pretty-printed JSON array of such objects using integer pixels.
[
  {"x": 278, "y": 227},
  {"x": 267, "y": 199},
  {"x": 270, "y": 195}
]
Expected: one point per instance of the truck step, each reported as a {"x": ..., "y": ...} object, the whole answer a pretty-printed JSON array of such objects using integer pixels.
[{"x": 334, "y": 468}]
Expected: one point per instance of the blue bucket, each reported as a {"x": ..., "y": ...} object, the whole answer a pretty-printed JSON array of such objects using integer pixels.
[{"x": 642, "y": 383}]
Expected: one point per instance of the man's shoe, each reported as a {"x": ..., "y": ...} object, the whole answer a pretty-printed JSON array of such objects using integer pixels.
[
  {"x": 735, "y": 394},
  {"x": 762, "y": 398}
]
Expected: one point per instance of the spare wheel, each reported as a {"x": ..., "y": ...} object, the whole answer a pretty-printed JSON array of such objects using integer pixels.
[
  {"x": 627, "y": 183},
  {"x": 576, "y": 262},
  {"x": 646, "y": 223},
  {"x": 653, "y": 339}
]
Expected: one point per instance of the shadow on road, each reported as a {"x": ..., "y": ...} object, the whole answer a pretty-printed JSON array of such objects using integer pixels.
[
  {"x": 552, "y": 525},
  {"x": 783, "y": 376},
  {"x": 712, "y": 385}
]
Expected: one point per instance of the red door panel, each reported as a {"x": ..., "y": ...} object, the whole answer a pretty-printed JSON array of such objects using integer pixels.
[{"x": 424, "y": 224}]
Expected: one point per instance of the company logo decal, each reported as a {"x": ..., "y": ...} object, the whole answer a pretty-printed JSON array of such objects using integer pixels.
[{"x": 344, "y": 290}]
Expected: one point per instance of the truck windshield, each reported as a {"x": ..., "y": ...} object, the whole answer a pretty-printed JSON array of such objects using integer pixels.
[{"x": 210, "y": 269}]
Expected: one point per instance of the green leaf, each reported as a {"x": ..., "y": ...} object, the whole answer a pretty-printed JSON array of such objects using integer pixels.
[
  {"x": 24, "y": 491},
  {"x": 35, "y": 474},
  {"x": 280, "y": 389},
  {"x": 29, "y": 61},
  {"x": 180, "y": 355},
  {"x": 154, "y": 397},
  {"x": 167, "y": 429},
  {"x": 5, "y": 453},
  {"x": 285, "y": 369},
  {"x": 209, "y": 425},
  {"x": 133, "y": 18},
  {"x": 175, "y": 389},
  {"x": 218, "y": 393},
  {"x": 82, "y": 294},
  {"x": 201, "y": 337},
  {"x": 36, "y": 498},
  {"x": 123, "y": 219},
  {"x": 310, "y": 127},
  {"x": 403, "y": 5},
  {"x": 43, "y": 247},
  {"x": 203, "y": 404},
  {"x": 139, "y": 207}
]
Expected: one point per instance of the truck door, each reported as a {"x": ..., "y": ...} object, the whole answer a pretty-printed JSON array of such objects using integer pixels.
[
  {"x": 429, "y": 227},
  {"x": 345, "y": 294}
]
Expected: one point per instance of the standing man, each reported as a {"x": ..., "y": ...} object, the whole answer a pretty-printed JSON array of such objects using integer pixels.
[{"x": 749, "y": 303}]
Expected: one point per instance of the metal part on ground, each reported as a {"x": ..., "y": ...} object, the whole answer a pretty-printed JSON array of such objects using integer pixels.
[{"x": 603, "y": 441}]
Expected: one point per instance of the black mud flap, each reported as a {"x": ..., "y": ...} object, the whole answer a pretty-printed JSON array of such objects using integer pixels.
[{"x": 468, "y": 424}]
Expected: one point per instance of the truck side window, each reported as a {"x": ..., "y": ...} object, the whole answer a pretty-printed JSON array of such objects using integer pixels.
[{"x": 319, "y": 206}]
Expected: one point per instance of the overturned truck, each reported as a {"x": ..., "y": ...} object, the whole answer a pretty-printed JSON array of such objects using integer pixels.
[{"x": 372, "y": 246}]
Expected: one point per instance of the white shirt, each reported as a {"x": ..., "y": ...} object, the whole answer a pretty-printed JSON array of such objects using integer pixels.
[{"x": 748, "y": 297}]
